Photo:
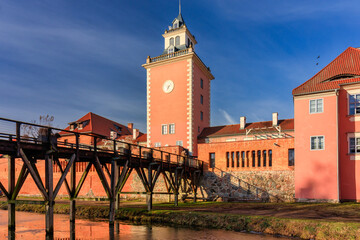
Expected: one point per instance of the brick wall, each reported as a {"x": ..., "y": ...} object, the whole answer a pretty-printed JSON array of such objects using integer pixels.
[{"x": 278, "y": 147}]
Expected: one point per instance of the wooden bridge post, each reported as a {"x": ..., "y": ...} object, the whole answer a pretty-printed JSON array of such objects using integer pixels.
[
  {"x": 49, "y": 188},
  {"x": 113, "y": 182},
  {"x": 73, "y": 188},
  {"x": 149, "y": 195},
  {"x": 176, "y": 188},
  {"x": 11, "y": 187},
  {"x": 73, "y": 181}
]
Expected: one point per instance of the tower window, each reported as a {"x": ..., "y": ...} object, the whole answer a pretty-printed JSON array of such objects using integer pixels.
[
  {"x": 188, "y": 42},
  {"x": 164, "y": 129},
  {"x": 201, "y": 83},
  {"x": 201, "y": 99},
  {"x": 201, "y": 115},
  {"x": 171, "y": 42},
  {"x": 171, "y": 128},
  {"x": 177, "y": 41}
]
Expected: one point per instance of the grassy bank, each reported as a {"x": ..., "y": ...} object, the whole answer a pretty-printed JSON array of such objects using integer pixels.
[{"x": 306, "y": 229}]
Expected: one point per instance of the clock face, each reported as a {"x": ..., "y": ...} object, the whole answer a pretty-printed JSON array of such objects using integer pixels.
[{"x": 168, "y": 86}]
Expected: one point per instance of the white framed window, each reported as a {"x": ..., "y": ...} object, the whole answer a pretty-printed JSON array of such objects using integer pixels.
[
  {"x": 316, "y": 105},
  {"x": 354, "y": 145},
  {"x": 317, "y": 143},
  {"x": 172, "y": 128},
  {"x": 158, "y": 144},
  {"x": 171, "y": 41},
  {"x": 354, "y": 104},
  {"x": 164, "y": 129},
  {"x": 179, "y": 143}
]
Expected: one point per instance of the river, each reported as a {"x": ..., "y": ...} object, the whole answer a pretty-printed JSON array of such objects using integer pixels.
[{"x": 32, "y": 226}]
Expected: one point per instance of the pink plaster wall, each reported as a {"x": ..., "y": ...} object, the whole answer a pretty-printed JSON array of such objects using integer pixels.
[
  {"x": 166, "y": 108},
  {"x": 349, "y": 169},
  {"x": 315, "y": 170},
  {"x": 197, "y": 106}
]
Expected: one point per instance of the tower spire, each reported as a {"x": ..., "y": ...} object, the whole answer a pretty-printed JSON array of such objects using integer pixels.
[{"x": 179, "y": 7}]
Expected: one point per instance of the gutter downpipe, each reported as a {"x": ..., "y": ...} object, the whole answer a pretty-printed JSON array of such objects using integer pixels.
[{"x": 337, "y": 143}]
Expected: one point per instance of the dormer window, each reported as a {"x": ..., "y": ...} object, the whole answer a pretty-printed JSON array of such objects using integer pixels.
[
  {"x": 171, "y": 42},
  {"x": 176, "y": 24},
  {"x": 171, "y": 49},
  {"x": 177, "y": 41}
]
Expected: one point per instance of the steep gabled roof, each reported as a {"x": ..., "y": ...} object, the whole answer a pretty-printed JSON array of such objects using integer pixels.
[
  {"x": 228, "y": 130},
  {"x": 99, "y": 125},
  {"x": 343, "y": 69}
]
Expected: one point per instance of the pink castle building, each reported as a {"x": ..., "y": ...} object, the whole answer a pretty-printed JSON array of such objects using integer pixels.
[{"x": 327, "y": 132}]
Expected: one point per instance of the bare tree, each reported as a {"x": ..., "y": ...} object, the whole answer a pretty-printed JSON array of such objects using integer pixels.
[{"x": 35, "y": 132}]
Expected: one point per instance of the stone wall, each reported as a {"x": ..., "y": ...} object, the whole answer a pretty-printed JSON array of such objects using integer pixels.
[{"x": 249, "y": 186}]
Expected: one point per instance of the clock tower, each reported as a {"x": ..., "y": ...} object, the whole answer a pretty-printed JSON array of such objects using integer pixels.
[{"x": 178, "y": 91}]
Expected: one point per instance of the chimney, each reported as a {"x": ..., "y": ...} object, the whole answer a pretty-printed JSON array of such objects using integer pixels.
[
  {"x": 130, "y": 126},
  {"x": 275, "y": 119},
  {"x": 135, "y": 133},
  {"x": 242, "y": 122}
]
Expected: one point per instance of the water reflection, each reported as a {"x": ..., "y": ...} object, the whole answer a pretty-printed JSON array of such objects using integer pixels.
[{"x": 32, "y": 226}]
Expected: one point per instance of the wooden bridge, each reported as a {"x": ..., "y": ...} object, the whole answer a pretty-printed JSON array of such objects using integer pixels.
[{"x": 113, "y": 165}]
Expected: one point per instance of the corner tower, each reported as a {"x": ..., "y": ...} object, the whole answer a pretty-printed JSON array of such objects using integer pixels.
[{"x": 178, "y": 91}]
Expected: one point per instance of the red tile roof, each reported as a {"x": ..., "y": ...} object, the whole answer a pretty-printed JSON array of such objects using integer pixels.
[
  {"x": 346, "y": 64},
  {"x": 142, "y": 138},
  {"x": 100, "y": 126},
  {"x": 218, "y": 131}
]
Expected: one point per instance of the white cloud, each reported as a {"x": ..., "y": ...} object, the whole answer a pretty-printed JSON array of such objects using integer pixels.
[{"x": 227, "y": 117}]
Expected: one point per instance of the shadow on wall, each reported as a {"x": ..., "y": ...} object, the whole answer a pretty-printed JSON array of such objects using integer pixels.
[{"x": 226, "y": 186}]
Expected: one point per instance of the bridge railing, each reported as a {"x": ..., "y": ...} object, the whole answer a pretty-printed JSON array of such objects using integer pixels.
[{"x": 24, "y": 132}]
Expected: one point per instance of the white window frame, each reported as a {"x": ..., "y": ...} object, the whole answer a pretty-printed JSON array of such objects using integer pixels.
[
  {"x": 348, "y": 102},
  {"x": 171, "y": 124},
  {"x": 179, "y": 143},
  {"x": 164, "y": 129},
  {"x": 317, "y": 143},
  {"x": 157, "y": 144},
  {"x": 316, "y": 105}
]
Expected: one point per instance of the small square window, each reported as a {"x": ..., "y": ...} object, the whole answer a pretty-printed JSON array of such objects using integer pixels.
[
  {"x": 316, "y": 106},
  {"x": 157, "y": 144},
  {"x": 317, "y": 143},
  {"x": 354, "y": 104},
  {"x": 179, "y": 143}
]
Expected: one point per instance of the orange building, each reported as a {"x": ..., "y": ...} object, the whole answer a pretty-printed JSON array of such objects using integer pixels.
[
  {"x": 178, "y": 91},
  {"x": 327, "y": 131},
  {"x": 255, "y": 146}
]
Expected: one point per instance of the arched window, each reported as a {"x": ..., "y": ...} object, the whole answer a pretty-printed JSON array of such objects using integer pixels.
[
  {"x": 177, "y": 41},
  {"x": 171, "y": 41}
]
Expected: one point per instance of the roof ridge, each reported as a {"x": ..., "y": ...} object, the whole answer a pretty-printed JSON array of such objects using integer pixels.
[{"x": 323, "y": 69}]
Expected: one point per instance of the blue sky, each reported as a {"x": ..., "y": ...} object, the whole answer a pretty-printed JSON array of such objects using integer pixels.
[{"x": 67, "y": 58}]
